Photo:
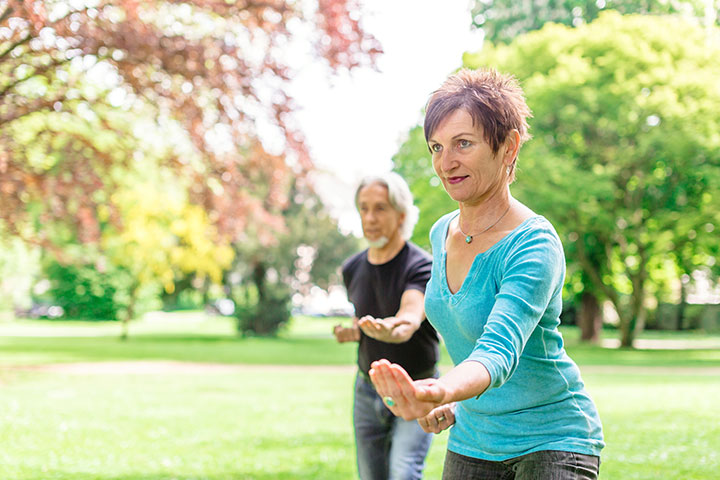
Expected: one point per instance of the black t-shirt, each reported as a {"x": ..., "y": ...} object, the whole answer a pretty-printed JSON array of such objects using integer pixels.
[{"x": 376, "y": 290}]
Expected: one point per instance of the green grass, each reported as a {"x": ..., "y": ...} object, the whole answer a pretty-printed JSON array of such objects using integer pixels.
[
  {"x": 267, "y": 423},
  {"x": 192, "y": 339},
  {"x": 248, "y": 425},
  {"x": 195, "y": 337},
  {"x": 658, "y": 426}
]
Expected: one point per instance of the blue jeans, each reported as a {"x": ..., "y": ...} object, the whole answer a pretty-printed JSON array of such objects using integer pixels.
[
  {"x": 388, "y": 447},
  {"x": 543, "y": 465}
]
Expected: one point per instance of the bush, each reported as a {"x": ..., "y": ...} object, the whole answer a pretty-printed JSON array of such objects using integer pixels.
[
  {"x": 86, "y": 293},
  {"x": 263, "y": 316},
  {"x": 82, "y": 291}
]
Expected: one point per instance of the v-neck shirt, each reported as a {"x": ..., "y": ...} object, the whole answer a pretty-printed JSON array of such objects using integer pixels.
[{"x": 505, "y": 315}]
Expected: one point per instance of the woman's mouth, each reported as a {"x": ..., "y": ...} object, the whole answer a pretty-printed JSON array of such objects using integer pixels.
[{"x": 455, "y": 180}]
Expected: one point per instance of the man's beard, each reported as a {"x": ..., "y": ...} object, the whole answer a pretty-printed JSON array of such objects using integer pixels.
[{"x": 379, "y": 243}]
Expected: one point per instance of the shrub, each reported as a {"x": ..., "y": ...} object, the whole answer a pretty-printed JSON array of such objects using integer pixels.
[
  {"x": 263, "y": 316},
  {"x": 82, "y": 291}
]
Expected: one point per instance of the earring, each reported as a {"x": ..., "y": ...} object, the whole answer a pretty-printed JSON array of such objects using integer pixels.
[{"x": 507, "y": 170}]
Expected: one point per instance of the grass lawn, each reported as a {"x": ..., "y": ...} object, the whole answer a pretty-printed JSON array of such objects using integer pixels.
[{"x": 659, "y": 408}]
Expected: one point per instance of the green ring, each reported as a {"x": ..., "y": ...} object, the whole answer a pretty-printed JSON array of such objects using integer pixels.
[{"x": 389, "y": 401}]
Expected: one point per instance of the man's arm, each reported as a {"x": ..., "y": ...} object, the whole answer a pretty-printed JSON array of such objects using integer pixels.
[{"x": 402, "y": 326}]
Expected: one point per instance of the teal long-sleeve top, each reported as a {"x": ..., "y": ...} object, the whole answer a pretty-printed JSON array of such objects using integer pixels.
[{"x": 506, "y": 316}]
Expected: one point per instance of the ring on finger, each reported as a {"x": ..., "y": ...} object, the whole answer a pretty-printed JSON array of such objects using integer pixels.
[
  {"x": 440, "y": 419},
  {"x": 389, "y": 401}
]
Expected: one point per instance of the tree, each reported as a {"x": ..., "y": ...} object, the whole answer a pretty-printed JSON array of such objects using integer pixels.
[
  {"x": 82, "y": 83},
  {"x": 504, "y": 20},
  {"x": 308, "y": 252},
  {"x": 624, "y": 159},
  {"x": 625, "y": 153},
  {"x": 214, "y": 68},
  {"x": 163, "y": 238}
]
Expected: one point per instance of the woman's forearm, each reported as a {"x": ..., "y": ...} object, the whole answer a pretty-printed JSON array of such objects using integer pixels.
[{"x": 467, "y": 380}]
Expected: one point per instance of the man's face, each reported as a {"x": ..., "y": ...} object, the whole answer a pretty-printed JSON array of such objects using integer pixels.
[{"x": 380, "y": 221}]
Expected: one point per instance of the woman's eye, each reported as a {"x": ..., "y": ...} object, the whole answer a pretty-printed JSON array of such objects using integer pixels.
[
  {"x": 464, "y": 143},
  {"x": 435, "y": 147}
]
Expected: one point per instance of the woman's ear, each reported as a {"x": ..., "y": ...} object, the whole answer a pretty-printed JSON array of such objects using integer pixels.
[{"x": 511, "y": 146}]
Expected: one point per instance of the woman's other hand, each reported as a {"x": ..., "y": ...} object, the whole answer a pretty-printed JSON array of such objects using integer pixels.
[{"x": 439, "y": 419}]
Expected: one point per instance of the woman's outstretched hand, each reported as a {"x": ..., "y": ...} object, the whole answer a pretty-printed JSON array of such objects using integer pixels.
[{"x": 405, "y": 397}]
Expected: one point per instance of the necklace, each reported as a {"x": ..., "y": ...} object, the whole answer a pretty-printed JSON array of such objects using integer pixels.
[{"x": 469, "y": 238}]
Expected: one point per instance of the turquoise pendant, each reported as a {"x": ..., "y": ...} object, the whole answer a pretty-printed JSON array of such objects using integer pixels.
[{"x": 468, "y": 239}]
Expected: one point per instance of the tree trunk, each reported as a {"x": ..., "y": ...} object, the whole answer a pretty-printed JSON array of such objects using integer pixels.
[
  {"x": 130, "y": 314},
  {"x": 627, "y": 330},
  {"x": 172, "y": 300},
  {"x": 589, "y": 318},
  {"x": 632, "y": 320},
  {"x": 254, "y": 320},
  {"x": 124, "y": 325},
  {"x": 634, "y": 323},
  {"x": 630, "y": 327},
  {"x": 258, "y": 275},
  {"x": 682, "y": 305}
]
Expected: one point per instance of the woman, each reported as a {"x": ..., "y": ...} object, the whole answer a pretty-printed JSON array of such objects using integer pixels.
[{"x": 516, "y": 400}]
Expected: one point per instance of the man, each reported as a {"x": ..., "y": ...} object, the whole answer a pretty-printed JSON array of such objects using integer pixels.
[{"x": 386, "y": 284}]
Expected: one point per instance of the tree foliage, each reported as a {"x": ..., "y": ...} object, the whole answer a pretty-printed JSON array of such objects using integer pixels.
[
  {"x": 93, "y": 91},
  {"x": 624, "y": 159},
  {"x": 308, "y": 252},
  {"x": 163, "y": 239},
  {"x": 207, "y": 72},
  {"x": 503, "y": 20},
  {"x": 626, "y": 150}
]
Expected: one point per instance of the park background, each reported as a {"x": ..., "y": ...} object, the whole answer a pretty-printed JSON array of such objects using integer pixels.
[{"x": 166, "y": 229}]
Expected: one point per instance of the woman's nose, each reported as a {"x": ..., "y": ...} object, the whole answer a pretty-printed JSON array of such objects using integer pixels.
[{"x": 446, "y": 161}]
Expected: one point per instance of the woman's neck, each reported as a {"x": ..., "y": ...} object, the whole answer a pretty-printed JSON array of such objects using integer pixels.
[{"x": 476, "y": 216}]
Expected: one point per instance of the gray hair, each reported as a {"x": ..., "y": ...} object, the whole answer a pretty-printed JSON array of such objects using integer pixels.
[{"x": 400, "y": 197}]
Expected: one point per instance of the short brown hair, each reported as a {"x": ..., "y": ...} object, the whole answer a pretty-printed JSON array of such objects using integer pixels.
[{"x": 494, "y": 100}]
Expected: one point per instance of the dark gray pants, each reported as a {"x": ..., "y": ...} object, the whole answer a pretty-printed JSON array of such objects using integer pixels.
[{"x": 544, "y": 465}]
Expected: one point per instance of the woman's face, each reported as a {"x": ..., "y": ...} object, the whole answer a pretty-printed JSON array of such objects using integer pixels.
[{"x": 464, "y": 161}]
